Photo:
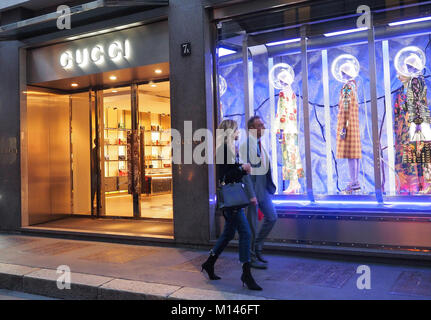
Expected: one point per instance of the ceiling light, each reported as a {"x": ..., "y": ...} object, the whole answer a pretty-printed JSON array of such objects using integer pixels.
[
  {"x": 224, "y": 52},
  {"x": 154, "y": 85},
  {"x": 331, "y": 34},
  {"x": 113, "y": 78},
  {"x": 397, "y": 23},
  {"x": 158, "y": 71},
  {"x": 283, "y": 42},
  {"x": 74, "y": 85},
  {"x": 114, "y": 91}
]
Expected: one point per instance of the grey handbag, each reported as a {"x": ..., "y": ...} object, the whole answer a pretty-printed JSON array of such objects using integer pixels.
[{"x": 232, "y": 196}]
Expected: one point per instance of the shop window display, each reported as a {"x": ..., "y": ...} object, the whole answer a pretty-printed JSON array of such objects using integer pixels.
[{"x": 359, "y": 130}]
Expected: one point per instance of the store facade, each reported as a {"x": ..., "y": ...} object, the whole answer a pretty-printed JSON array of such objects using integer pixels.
[
  {"x": 98, "y": 96},
  {"x": 240, "y": 53}
]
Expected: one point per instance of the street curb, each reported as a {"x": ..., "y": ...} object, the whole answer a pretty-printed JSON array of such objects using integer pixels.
[{"x": 41, "y": 281}]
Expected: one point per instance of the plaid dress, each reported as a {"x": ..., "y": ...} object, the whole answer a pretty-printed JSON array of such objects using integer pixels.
[{"x": 349, "y": 146}]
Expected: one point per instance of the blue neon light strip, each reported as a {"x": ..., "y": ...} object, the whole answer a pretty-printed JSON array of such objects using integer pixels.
[
  {"x": 271, "y": 44},
  {"x": 336, "y": 33},
  {"x": 398, "y": 23}
]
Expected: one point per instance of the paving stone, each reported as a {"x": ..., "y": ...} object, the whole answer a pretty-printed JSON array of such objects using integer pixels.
[
  {"x": 119, "y": 255},
  {"x": 16, "y": 269},
  {"x": 8, "y": 242},
  {"x": 56, "y": 248},
  {"x": 415, "y": 283},
  {"x": 11, "y": 276},
  {"x": 323, "y": 274},
  {"x": 120, "y": 289},
  {"x": 44, "y": 282},
  {"x": 187, "y": 293},
  {"x": 224, "y": 264}
]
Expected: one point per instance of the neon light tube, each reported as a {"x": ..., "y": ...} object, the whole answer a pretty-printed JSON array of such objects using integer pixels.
[
  {"x": 282, "y": 42},
  {"x": 224, "y": 52},
  {"x": 398, "y": 23},
  {"x": 331, "y": 34}
]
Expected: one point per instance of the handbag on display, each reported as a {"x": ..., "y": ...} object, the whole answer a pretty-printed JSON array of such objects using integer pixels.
[{"x": 232, "y": 196}]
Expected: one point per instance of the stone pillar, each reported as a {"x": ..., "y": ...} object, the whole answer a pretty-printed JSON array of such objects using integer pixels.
[
  {"x": 10, "y": 177},
  {"x": 192, "y": 100}
]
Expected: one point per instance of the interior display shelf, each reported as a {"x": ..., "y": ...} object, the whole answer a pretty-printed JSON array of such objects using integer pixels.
[{"x": 121, "y": 129}]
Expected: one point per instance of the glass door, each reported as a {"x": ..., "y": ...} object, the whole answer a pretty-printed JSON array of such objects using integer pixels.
[{"x": 116, "y": 115}]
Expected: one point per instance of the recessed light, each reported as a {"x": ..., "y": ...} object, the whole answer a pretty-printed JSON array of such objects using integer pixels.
[
  {"x": 113, "y": 78},
  {"x": 74, "y": 85},
  {"x": 114, "y": 91},
  {"x": 158, "y": 71}
]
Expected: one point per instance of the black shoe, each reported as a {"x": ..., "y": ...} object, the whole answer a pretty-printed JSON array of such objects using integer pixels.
[
  {"x": 247, "y": 278},
  {"x": 260, "y": 258},
  {"x": 208, "y": 266},
  {"x": 257, "y": 264}
]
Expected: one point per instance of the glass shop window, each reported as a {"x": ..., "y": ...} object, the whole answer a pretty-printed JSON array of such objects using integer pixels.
[
  {"x": 231, "y": 80},
  {"x": 261, "y": 72},
  {"x": 404, "y": 111},
  {"x": 340, "y": 118}
]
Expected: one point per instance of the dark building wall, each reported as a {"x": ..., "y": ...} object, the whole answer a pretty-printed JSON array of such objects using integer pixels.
[
  {"x": 191, "y": 100},
  {"x": 10, "y": 178}
]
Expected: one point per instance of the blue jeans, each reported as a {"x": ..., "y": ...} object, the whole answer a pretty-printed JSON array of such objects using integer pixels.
[{"x": 235, "y": 220}]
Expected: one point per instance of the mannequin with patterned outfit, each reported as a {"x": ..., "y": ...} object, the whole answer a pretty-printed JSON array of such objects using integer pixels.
[
  {"x": 348, "y": 135},
  {"x": 286, "y": 125}
]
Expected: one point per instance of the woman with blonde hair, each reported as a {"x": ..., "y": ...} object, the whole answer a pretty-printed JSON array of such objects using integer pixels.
[{"x": 229, "y": 170}]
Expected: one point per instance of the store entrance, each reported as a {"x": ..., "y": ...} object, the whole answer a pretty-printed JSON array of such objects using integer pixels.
[
  {"x": 102, "y": 155},
  {"x": 136, "y": 163}
]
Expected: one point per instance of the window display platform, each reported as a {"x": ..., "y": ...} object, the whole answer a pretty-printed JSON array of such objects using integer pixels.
[{"x": 358, "y": 205}]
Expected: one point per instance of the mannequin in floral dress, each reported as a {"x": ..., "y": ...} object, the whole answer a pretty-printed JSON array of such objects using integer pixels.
[
  {"x": 286, "y": 125},
  {"x": 407, "y": 173}
]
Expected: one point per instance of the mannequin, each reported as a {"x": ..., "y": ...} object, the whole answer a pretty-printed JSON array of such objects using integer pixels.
[
  {"x": 407, "y": 173},
  {"x": 286, "y": 125},
  {"x": 419, "y": 117},
  {"x": 348, "y": 135}
]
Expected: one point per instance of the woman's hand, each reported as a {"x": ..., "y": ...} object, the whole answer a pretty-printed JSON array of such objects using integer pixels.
[
  {"x": 246, "y": 167},
  {"x": 253, "y": 201}
]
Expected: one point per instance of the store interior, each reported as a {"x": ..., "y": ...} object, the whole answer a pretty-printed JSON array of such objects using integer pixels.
[{"x": 80, "y": 141}]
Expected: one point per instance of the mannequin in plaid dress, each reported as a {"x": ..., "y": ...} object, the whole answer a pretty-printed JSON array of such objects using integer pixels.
[{"x": 348, "y": 136}]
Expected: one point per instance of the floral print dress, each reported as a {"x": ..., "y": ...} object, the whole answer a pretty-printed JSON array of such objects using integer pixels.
[
  {"x": 286, "y": 124},
  {"x": 408, "y": 175}
]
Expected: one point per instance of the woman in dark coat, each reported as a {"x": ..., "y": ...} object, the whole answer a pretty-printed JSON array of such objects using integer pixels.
[{"x": 231, "y": 171}]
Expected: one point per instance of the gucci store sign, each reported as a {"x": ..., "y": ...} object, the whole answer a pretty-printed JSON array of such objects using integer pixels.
[
  {"x": 114, "y": 52},
  {"x": 127, "y": 48}
]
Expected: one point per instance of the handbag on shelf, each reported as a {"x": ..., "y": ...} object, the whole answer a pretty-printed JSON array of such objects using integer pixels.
[{"x": 232, "y": 196}]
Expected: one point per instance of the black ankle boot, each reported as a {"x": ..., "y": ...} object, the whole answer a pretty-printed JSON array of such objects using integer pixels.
[
  {"x": 208, "y": 266},
  {"x": 247, "y": 278}
]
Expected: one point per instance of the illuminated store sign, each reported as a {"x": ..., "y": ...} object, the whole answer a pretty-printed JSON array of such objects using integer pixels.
[{"x": 98, "y": 54}]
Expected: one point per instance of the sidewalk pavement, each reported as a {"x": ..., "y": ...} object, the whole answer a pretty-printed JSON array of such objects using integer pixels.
[{"x": 102, "y": 270}]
